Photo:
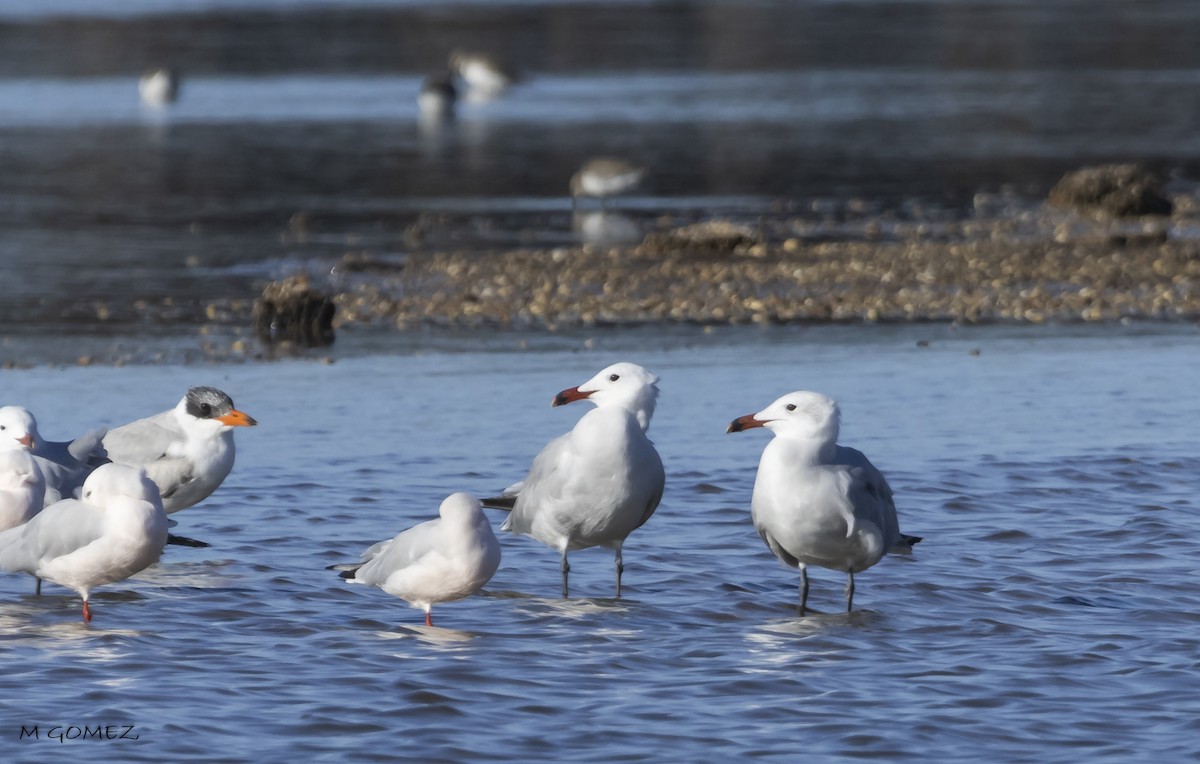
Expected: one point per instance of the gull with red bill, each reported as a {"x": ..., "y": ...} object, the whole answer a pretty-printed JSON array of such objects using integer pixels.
[
  {"x": 816, "y": 502},
  {"x": 187, "y": 451},
  {"x": 596, "y": 484}
]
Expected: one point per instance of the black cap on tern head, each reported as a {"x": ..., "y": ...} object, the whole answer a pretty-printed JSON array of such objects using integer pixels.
[{"x": 211, "y": 403}]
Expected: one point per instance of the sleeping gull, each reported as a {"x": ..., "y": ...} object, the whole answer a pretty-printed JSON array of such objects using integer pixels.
[
  {"x": 116, "y": 530},
  {"x": 815, "y": 502},
  {"x": 598, "y": 483},
  {"x": 436, "y": 561}
]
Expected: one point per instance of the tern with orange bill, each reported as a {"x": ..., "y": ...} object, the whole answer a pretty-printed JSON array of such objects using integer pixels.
[{"x": 187, "y": 451}]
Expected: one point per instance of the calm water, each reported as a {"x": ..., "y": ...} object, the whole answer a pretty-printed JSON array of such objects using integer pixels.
[{"x": 1051, "y": 613}]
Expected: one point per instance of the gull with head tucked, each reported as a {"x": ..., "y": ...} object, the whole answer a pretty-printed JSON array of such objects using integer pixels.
[
  {"x": 438, "y": 560},
  {"x": 815, "y": 502},
  {"x": 601, "y": 481},
  {"x": 118, "y": 528}
]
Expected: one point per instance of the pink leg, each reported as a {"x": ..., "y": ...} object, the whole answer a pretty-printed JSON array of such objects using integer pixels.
[{"x": 428, "y": 618}]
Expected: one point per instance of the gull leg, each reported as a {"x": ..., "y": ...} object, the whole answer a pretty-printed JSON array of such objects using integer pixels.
[
  {"x": 37, "y": 590},
  {"x": 566, "y": 568},
  {"x": 850, "y": 592},
  {"x": 428, "y": 615},
  {"x": 803, "y": 588},
  {"x": 87, "y": 612},
  {"x": 620, "y": 570}
]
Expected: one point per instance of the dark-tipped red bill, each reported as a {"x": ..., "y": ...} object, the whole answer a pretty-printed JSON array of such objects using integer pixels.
[
  {"x": 744, "y": 423},
  {"x": 570, "y": 395}
]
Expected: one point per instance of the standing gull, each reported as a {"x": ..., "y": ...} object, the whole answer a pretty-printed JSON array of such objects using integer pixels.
[
  {"x": 187, "y": 451},
  {"x": 64, "y": 465},
  {"x": 598, "y": 483},
  {"x": 815, "y": 502},
  {"x": 116, "y": 530},
  {"x": 436, "y": 561}
]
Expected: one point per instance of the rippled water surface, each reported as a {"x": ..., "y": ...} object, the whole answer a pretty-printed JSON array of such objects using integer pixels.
[{"x": 1051, "y": 613}]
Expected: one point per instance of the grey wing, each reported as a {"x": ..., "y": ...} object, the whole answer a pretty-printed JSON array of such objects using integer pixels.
[
  {"x": 544, "y": 483},
  {"x": 776, "y": 549},
  {"x": 57, "y": 530},
  {"x": 406, "y": 548},
  {"x": 169, "y": 474},
  {"x": 144, "y": 441},
  {"x": 659, "y": 479},
  {"x": 88, "y": 448},
  {"x": 871, "y": 495}
]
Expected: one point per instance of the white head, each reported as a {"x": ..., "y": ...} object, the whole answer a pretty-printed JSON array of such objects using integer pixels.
[
  {"x": 17, "y": 471},
  {"x": 118, "y": 481},
  {"x": 460, "y": 507},
  {"x": 622, "y": 385},
  {"x": 797, "y": 416},
  {"x": 18, "y": 429},
  {"x": 207, "y": 409}
]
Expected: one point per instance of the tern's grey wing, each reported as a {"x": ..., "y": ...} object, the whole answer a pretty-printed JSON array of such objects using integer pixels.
[
  {"x": 57, "y": 530},
  {"x": 144, "y": 441},
  {"x": 403, "y": 550},
  {"x": 170, "y": 474}
]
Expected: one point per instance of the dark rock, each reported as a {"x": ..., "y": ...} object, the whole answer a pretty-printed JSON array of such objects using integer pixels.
[
  {"x": 291, "y": 310},
  {"x": 1116, "y": 190}
]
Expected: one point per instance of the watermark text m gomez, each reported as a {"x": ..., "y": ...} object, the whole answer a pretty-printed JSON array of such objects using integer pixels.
[{"x": 63, "y": 733}]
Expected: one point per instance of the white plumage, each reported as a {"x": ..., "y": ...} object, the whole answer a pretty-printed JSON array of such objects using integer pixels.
[
  {"x": 815, "y": 502},
  {"x": 596, "y": 484},
  {"x": 115, "y": 530},
  {"x": 187, "y": 451},
  {"x": 63, "y": 465},
  {"x": 438, "y": 560}
]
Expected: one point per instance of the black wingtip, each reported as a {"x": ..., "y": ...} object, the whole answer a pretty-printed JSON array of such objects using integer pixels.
[
  {"x": 505, "y": 503},
  {"x": 185, "y": 541},
  {"x": 348, "y": 574},
  {"x": 910, "y": 540}
]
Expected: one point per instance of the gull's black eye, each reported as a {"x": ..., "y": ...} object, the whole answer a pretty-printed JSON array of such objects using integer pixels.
[
  {"x": 2, "y": 427},
  {"x": 790, "y": 407},
  {"x": 613, "y": 377}
]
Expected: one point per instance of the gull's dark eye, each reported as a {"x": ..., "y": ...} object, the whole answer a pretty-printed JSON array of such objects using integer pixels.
[
  {"x": 613, "y": 377},
  {"x": 87, "y": 495},
  {"x": 2, "y": 427},
  {"x": 790, "y": 407}
]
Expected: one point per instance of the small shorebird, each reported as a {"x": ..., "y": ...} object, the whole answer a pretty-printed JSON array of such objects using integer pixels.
[
  {"x": 482, "y": 73},
  {"x": 599, "y": 482},
  {"x": 438, "y": 96},
  {"x": 118, "y": 528},
  {"x": 815, "y": 502},
  {"x": 159, "y": 86},
  {"x": 604, "y": 177},
  {"x": 436, "y": 561}
]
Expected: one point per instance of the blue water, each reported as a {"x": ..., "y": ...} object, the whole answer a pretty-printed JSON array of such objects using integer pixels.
[{"x": 1050, "y": 614}]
